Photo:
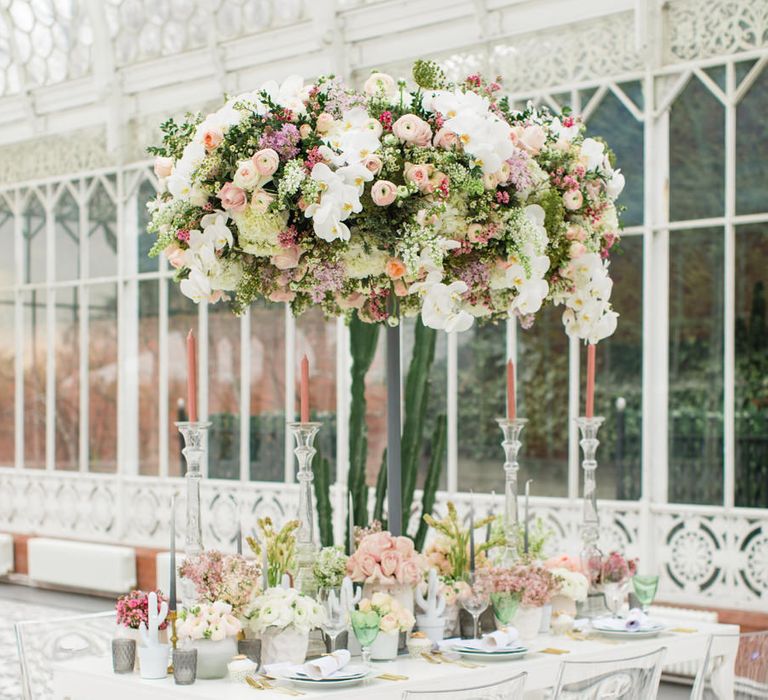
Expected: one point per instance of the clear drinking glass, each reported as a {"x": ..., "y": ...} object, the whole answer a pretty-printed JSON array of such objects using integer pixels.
[
  {"x": 645, "y": 589},
  {"x": 365, "y": 625},
  {"x": 335, "y": 616},
  {"x": 475, "y": 599},
  {"x": 615, "y": 594}
]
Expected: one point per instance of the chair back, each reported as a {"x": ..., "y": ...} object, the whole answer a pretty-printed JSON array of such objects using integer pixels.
[
  {"x": 749, "y": 671},
  {"x": 629, "y": 678},
  {"x": 42, "y": 643},
  {"x": 508, "y": 689}
]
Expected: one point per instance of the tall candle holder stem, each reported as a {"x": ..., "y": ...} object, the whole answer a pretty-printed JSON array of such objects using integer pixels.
[
  {"x": 511, "y": 429},
  {"x": 306, "y": 546}
]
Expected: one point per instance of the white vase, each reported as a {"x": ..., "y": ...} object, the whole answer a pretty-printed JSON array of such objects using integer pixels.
[
  {"x": 154, "y": 661},
  {"x": 284, "y": 644},
  {"x": 527, "y": 622},
  {"x": 451, "y": 620},
  {"x": 433, "y": 627},
  {"x": 384, "y": 647},
  {"x": 400, "y": 592},
  {"x": 213, "y": 656},
  {"x": 546, "y": 618},
  {"x": 561, "y": 605}
]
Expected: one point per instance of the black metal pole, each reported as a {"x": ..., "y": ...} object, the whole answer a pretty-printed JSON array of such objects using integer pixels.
[{"x": 394, "y": 466}]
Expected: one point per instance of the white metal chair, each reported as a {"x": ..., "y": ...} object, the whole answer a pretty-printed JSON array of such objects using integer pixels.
[
  {"x": 44, "y": 642},
  {"x": 508, "y": 689},
  {"x": 750, "y": 670},
  {"x": 629, "y": 678}
]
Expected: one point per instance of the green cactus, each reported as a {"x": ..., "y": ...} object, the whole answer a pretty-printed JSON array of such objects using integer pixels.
[
  {"x": 433, "y": 479},
  {"x": 381, "y": 491},
  {"x": 322, "y": 471}
]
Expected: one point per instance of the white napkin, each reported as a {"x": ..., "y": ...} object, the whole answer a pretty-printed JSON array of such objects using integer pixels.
[
  {"x": 500, "y": 639},
  {"x": 635, "y": 621},
  {"x": 326, "y": 666}
]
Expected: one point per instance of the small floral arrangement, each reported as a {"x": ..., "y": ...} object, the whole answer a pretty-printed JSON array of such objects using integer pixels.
[
  {"x": 449, "y": 550},
  {"x": 330, "y": 567},
  {"x": 617, "y": 569},
  {"x": 133, "y": 609},
  {"x": 284, "y": 607},
  {"x": 214, "y": 621},
  {"x": 393, "y": 617},
  {"x": 564, "y": 561},
  {"x": 573, "y": 584},
  {"x": 382, "y": 558},
  {"x": 229, "y": 578},
  {"x": 281, "y": 548},
  {"x": 533, "y": 583},
  {"x": 453, "y": 590},
  {"x": 539, "y": 537}
]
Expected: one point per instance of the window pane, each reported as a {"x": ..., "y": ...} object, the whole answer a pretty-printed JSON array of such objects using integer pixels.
[
  {"x": 696, "y": 366},
  {"x": 624, "y": 134},
  {"x": 223, "y": 392},
  {"x": 619, "y": 372},
  {"x": 149, "y": 377},
  {"x": 7, "y": 380},
  {"x": 696, "y": 154},
  {"x": 182, "y": 315},
  {"x": 316, "y": 337},
  {"x": 267, "y": 430},
  {"x": 67, "y": 379},
  {"x": 144, "y": 239},
  {"x": 7, "y": 241},
  {"x": 102, "y": 233},
  {"x": 751, "y": 136},
  {"x": 67, "y": 233},
  {"x": 102, "y": 378},
  {"x": 34, "y": 379},
  {"x": 751, "y": 390},
  {"x": 542, "y": 394},
  {"x": 33, "y": 235}
]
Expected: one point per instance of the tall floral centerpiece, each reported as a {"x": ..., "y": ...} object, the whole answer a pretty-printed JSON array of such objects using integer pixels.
[{"x": 439, "y": 199}]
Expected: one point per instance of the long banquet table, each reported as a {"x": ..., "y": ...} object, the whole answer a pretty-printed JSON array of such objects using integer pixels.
[{"x": 92, "y": 679}]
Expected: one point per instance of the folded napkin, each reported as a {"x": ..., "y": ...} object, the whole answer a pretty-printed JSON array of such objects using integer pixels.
[
  {"x": 500, "y": 639},
  {"x": 326, "y": 666},
  {"x": 635, "y": 621}
]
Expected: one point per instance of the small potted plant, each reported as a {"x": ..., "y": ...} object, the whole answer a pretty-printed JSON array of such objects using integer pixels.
[
  {"x": 394, "y": 618},
  {"x": 615, "y": 574},
  {"x": 131, "y": 610},
  {"x": 212, "y": 629},
  {"x": 329, "y": 568},
  {"x": 283, "y": 617}
]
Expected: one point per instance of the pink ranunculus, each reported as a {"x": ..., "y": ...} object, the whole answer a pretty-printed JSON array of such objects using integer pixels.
[
  {"x": 404, "y": 545},
  {"x": 175, "y": 256},
  {"x": 383, "y": 193},
  {"x": 474, "y": 233},
  {"x": 401, "y": 288},
  {"x": 287, "y": 259},
  {"x": 368, "y": 565},
  {"x": 418, "y": 174},
  {"x": 577, "y": 250},
  {"x": 390, "y": 562},
  {"x": 445, "y": 138},
  {"x": 232, "y": 198},
  {"x": 351, "y": 301},
  {"x": 573, "y": 199},
  {"x": 282, "y": 295},
  {"x": 305, "y": 130},
  {"x": 373, "y": 163},
  {"x": 260, "y": 200},
  {"x": 266, "y": 161},
  {"x": 324, "y": 123},
  {"x": 212, "y": 138},
  {"x": 533, "y": 138},
  {"x": 410, "y": 572},
  {"x": 412, "y": 130},
  {"x": 163, "y": 166}
]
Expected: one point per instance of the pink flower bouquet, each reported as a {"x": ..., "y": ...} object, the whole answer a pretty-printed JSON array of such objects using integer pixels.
[
  {"x": 133, "y": 608},
  {"x": 617, "y": 569},
  {"x": 229, "y": 578},
  {"x": 387, "y": 560},
  {"x": 534, "y": 584}
]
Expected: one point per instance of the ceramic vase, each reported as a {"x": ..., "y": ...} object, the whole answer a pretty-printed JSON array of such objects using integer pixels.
[
  {"x": 527, "y": 621},
  {"x": 451, "y": 620},
  {"x": 213, "y": 656},
  {"x": 384, "y": 647},
  {"x": 287, "y": 644},
  {"x": 154, "y": 661},
  {"x": 433, "y": 627},
  {"x": 563, "y": 606}
]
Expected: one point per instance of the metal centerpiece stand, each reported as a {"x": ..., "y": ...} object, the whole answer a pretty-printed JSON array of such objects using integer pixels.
[{"x": 511, "y": 429}]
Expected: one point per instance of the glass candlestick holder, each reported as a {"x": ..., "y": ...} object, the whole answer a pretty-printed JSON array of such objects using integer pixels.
[
  {"x": 306, "y": 546},
  {"x": 511, "y": 429}
]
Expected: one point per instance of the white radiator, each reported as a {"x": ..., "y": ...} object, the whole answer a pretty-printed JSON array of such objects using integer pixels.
[
  {"x": 96, "y": 567},
  {"x": 6, "y": 553}
]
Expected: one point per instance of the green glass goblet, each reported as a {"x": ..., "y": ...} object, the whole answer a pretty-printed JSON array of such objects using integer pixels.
[
  {"x": 504, "y": 606},
  {"x": 365, "y": 625},
  {"x": 645, "y": 589}
]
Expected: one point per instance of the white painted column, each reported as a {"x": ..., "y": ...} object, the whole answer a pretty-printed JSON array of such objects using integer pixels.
[
  {"x": 245, "y": 396},
  {"x": 84, "y": 296},
  {"x": 290, "y": 390},
  {"x": 574, "y": 393},
  {"x": 452, "y": 481},
  {"x": 50, "y": 329},
  {"x": 18, "y": 205}
]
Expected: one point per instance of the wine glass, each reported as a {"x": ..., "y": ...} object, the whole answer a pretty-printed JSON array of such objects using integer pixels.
[
  {"x": 615, "y": 593},
  {"x": 335, "y": 621},
  {"x": 365, "y": 625},
  {"x": 475, "y": 599},
  {"x": 645, "y": 589}
]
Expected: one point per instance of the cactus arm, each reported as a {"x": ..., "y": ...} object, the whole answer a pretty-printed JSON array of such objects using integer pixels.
[
  {"x": 163, "y": 614},
  {"x": 432, "y": 480},
  {"x": 144, "y": 634},
  {"x": 421, "y": 601},
  {"x": 381, "y": 490},
  {"x": 322, "y": 488}
]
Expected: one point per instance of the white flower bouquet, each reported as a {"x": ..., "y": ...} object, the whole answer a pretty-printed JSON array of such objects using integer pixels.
[
  {"x": 213, "y": 621},
  {"x": 393, "y": 617},
  {"x": 283, "y": 608}
]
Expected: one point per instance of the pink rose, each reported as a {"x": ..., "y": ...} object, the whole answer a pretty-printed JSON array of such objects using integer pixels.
[
  {"x": 232, "y": 198},
  {"x": 573, "y": 199},
  {"x": 401, "y": 288},
  {"x": 533, "y": 138},
  {"x": 351, "y": 301},
  {"x": 266, "y": 161},
  {"x": 445, "y": 138},
  {"x": 576, "y": 233},
  {"x": 175, "y": 256},
  {"x": 419, "y": 175},
  {"x": 163, "y": 166},
  {"x": 410, "y": 573},
  {"x": 287, "y": 259},
  {"x": 593, "y": 188},
  {"x": 368, "y": 565},
  {"x": 390, "y": 562},
  {"x": 412, "y": 130},
  {"x": 353, "y": 568},
  {"x": 404, "y": 545},
  {"x": 324, "y": 123},
  {"x": 383, "y": 193},
  {"x": 212, "y": 138},
  {"x": 377, "y": 543},
  {"x": 373, "y": 163},
  {"x": 261, "y": 200}
]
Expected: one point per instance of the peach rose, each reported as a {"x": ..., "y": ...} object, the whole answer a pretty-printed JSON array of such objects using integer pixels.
[
  {"x": 260, "y": 200},
  {"x": 175, "y": 256},
  {"x": 573, "y": 199},
  {"x": 287, "y": 259},
  {"x": 412, "y": 130},
  {"x": 404, "y": 545},
  {"x": 445, "y": 138},
  {"x": 266, "y": 161},
  {"x": 410, "y": 573},
  {"x": 282, "y": 295},
  {"x": 232, "y": 198},
  {"x": 383, "y": 193},
  {"x": 394, "y": 268},
  {"x": 533, "y": 138},
  {"x": 324, "y": 123},
  {"x": 419, "y": 175},
  {"x": 163, "y": 166},
  {"x": 212, "y": 138},
  {"x": 390, "y": 562},
  {"x": 305, "y": 130},
  {"x": 373, "y": 163},
  {"x": 389, "y": 623}
]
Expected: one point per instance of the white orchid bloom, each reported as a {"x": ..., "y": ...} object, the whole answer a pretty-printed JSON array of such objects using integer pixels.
[
  {"x": 356, "y": 175},
  {"x": 196, "y": 287},
  {"x": 592, "y": 154},
  {"x": 442, "y": 310},
  {"x": 215, "y": 228},
  {"x": 565, "y": 133},
  {"x": 615, "y": 185},
  {"x": 290, "y": 94},
  {"x": 531, "y": 296}
]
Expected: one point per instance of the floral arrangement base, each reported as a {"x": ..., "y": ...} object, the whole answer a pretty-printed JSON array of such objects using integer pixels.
[
  {"x": 287, "y": 644},
  {"x": 433, "y": 627},
  {"x": 527, "y": 621},
  {"x": 403, "y": 594},
  {"x": 213, "y": 656},
  {"x": 384, "y": 647},
  {"x": 154, "y": 661}
]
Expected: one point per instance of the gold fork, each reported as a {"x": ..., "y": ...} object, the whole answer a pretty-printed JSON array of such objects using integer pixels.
[
  {"x": 442, "y": 658},
  {"x": 264, "y": 684}
]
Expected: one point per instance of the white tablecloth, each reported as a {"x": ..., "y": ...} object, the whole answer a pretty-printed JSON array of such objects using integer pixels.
[{"x": 89, "y": 679}]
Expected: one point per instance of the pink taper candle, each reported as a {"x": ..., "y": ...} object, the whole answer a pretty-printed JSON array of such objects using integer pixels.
[
  {"x": 191, "y": 376},
  {"x": 304, "y": 390},
  {"x": 511, "y": 399},
  {"x": 590, "y": 412}
]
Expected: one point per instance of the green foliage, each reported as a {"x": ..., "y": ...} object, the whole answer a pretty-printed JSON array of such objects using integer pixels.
[
  {"x": 176, "y": 135},
  {"x": 381, "y": 491},
  {"x": 432, "y": 481},
  {"x": 322, "y": 471},
  {"x": 429, "y": 75}
]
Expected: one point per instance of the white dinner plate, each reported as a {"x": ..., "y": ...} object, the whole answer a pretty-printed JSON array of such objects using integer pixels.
[
  {"x": 498, "y": 654},
  {"x": 325, "y": 682},
  {"x": 645, "y": 633}
]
